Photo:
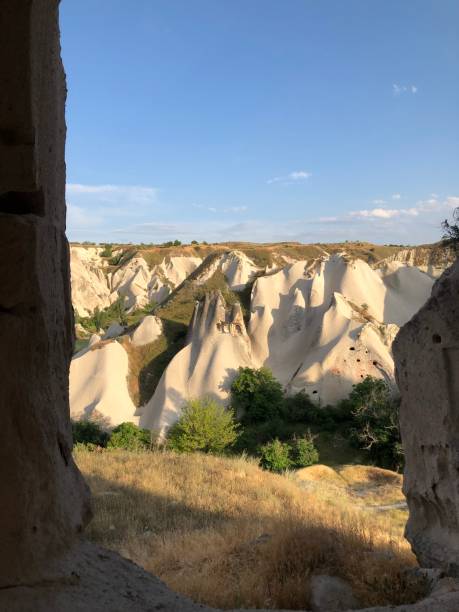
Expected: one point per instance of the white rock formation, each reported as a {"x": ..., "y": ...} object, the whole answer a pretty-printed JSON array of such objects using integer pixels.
[
  {"x": 217, "y": 345},
  {"x": 148, "y": 331},
  {"x": 238, "y": 269},
  {"x": 98, "y": 384},
  {"x": 321, "y": 328},
  {"x": 133, "y": 280},
  {"x": 432, "y": 261},
  {"x": 90, "y": 285}
]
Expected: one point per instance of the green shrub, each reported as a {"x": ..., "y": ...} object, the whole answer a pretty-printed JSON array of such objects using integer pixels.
[
  {"x": 107, "y": 252},
  {"x": 256, "y": 395},
  {"x": 255, "y": 434},
  {"x": 89, "y": 433},
  {"x": 303, "y": 452},
  {"x": 275, "y": 456},
  {"x": 130, "y": 437},
  {"x": 205, "y": 425}
]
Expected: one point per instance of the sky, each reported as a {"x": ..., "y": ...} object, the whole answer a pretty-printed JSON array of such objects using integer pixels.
[{"x": 261, "y": 120}]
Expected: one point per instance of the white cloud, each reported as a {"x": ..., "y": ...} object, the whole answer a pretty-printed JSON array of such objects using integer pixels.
[
  {"x": 422, "y": 207},
  {"x": 396, "y": 196},
  {"x": 133, "y": 194},
  {"x": 379, "y": 202},
  {"x": 79, "y": 218},
  {"x": 397, "y": 89},
  {"x": 377, "y": 213},
  {"x": 292, "y": 177}
]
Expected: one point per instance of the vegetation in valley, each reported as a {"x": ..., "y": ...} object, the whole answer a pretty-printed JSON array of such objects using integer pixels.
[
  {"x": 204, "y": 425},
  {"x": 228, "y": 534},
  {"x": 367, "y": 419}
]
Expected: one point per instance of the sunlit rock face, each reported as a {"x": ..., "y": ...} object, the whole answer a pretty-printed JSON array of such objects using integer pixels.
[
  {"x": 96, "y": 285},
  {"x": 427, "y": 367},
  {"x": 325, "y": 326},
  {"x": 217, "y": 345}
]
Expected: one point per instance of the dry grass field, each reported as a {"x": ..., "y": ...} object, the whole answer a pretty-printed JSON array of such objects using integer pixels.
[{"x": 228, "y": 534}]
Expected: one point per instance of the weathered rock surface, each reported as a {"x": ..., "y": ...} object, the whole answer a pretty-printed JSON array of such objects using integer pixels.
[
  {"x": 331, "y": 594},
  {"x": 114, "y": 330},
  {"x": 44, "y": 500},
  {"x": 217, "y": 345},
  {"x": 133, "y": 280},
  {"x": 427, "y": 357},
  {"x": 92, "y": 579},
  {"x": 98, "y": 385},
  {"x": 148, "y": 331}
]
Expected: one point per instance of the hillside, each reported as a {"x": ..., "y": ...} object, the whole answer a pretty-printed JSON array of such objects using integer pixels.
[
  {"x": 230, "y": 535},
  {"x": 322, "y": 317}
]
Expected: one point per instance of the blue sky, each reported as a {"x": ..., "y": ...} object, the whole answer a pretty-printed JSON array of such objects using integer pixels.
[{"x": 263, "y": 120}]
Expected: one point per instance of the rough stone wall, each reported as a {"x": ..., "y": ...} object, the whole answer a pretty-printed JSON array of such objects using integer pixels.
[
  {"x": 427, "y": 369},
  {"x": 44, "y": 501}
]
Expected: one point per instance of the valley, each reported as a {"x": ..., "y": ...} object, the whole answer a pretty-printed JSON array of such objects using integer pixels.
[{"x": 159, "y": 325}]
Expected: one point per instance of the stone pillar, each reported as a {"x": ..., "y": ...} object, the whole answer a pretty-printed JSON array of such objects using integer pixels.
[
  {"x": 44, "y": 502},
  {"x": 426, "y": 354}
]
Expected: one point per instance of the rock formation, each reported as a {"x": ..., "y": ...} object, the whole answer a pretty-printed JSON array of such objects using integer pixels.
[
  {"x": 98, "y": 384},
  {"x": 90, "y": 283},
  {"x": 96, "y": 284},
  {"x": 321, "y": 327},
  {"x": 45, "y": 503},
  {"x": 217, "y": 345},
  {"x": 148, "y": 331},
  {"x": 427, "y": 357}
]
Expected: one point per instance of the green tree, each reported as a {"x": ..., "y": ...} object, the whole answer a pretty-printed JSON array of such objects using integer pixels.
[
  {"x": 451, "y": 230},
  {"x": 299, "y": 408},
  {"x": 275, "y": 456},
  {"x": 204, "y": 425},
  {"x": 130, "y": 437},
  {"x": 375, "y": 422},
  {"x": 256, "y": 395}
]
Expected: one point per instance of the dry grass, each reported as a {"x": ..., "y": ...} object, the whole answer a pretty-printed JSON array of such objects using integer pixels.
[{"x": 228, "y": 534}]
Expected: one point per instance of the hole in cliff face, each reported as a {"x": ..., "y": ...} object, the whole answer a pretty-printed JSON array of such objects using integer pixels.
[
  {"x": 352, "y": 348},
  {"x": 23, "y": 203},
  {"x": 358, "y": 360},
  {"x": 436, "y": 339},
  {"x": 315, "y": 391}
]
